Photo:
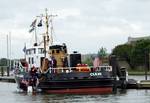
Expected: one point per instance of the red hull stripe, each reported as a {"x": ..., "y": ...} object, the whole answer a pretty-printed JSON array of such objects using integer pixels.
[{"x": 101, "y": 90}]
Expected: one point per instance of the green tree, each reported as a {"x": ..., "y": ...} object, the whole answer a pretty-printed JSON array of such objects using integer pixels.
[
  {"x": 102, "y": 52},
  {"x": 139, "y": 52},
  {"x": 123, "y": 51},
  {"x": 3, "y": 62},
  {"x": 88, "y": 61},
  {"x": 136, "y": 54}
]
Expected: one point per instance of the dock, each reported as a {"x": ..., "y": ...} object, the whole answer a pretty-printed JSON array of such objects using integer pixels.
[
  {"x": 6, "y": 75},
  {"x": 9, "y": 79},
  {"x": 144, "y": 84}
]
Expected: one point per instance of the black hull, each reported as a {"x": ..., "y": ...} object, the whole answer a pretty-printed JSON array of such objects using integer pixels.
[
  {"x": 86, "y": 82},
  {"x": 72, "y": 84},
  {"x": 88, "y": 86}
]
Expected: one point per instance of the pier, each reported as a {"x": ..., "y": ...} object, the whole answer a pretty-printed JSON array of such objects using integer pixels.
[
  {"x": 10, "y": 79},
  {"x": 5, "y": 75}
]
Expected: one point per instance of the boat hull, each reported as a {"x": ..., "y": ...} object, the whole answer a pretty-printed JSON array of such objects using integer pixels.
[
  {"x": 94, "y": 90},
  {"x": 90, "y": 86},
  {"x": 83, "y": 86},
  {"x": 71, "y": 83}
]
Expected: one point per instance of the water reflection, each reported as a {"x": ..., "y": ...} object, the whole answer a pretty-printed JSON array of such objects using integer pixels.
[
  {"x": 47, "y": 98},
  {"x": 9, "y": 94},
  {"x": 122, "y": 96}
]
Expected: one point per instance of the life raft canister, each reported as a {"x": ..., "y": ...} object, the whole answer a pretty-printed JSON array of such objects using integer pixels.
[{"x": 82, "y": 68}]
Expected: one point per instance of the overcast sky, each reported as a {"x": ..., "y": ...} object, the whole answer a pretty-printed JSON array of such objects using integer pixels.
[{"x": 84, "y": 25}]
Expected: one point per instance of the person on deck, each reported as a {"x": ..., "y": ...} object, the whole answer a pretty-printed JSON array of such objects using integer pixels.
[
  {"x": 54, "y": 62},
  {"x": 33, "y": 74},
  {"x": 97, "y": 62}
]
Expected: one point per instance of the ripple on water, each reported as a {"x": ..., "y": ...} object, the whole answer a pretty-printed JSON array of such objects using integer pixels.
[{"x": 9, "y": 94}]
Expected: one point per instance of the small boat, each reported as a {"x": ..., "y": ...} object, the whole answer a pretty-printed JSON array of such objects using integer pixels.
[{"x": 49, "y": 68}]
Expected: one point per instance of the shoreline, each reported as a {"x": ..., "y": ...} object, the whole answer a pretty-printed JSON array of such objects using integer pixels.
[{"x": 138, "y": 73}]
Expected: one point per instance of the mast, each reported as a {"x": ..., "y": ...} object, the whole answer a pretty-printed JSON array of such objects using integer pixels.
[
  {"x": 46, "y": 37},
  {"x": 47, "y": 18},
  {"x": 47, "y": 25}
]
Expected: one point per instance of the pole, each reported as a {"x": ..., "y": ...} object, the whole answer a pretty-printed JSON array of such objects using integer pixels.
[
  {"x": 10, "y": 51},
  {"x": 35, "y": 36},
  {"x": 2, "y": 71},
  {"x": 7, "y": 49},
  {"x": 146, "y": 65},
  {"x": 7, "y": 55},
  {"x": 44, "y": 46}
]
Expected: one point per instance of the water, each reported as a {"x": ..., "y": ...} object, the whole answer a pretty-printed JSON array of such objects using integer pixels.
[{"x": 9, "y": 94}]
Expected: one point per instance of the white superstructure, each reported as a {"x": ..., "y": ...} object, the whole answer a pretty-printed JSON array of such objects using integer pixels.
[{"x": 34, "y": 56}]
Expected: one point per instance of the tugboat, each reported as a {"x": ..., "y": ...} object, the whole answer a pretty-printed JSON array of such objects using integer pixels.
[{"x": 52, "y": 70}]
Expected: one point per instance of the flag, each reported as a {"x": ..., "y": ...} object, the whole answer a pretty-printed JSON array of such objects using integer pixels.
[
  {"x": 97, "y": 62},
  {"x": 33, "y": 26},
  {"x": 24, "y": 49},
  {"x": 40, "y": 23},
  {"x": 33, "y": 23}
]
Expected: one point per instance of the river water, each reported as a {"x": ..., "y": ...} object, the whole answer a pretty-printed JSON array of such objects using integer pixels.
[{"x": 10, "y": 94}]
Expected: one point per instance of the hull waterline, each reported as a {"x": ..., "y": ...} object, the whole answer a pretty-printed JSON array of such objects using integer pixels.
[{"x": 97, "y": 90}]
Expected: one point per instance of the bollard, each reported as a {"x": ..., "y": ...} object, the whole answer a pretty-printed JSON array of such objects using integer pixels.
[
  {"x": 114, "y": 71},
  {"x": 123, "y": 73},
  {"x": 8, "y": 71},
  {"x": 2, "y": 71}
]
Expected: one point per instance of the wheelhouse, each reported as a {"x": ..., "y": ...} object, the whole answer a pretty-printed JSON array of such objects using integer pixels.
[
  {"x": 34, "y": 56},
  {"x": 59, "y": 52}
]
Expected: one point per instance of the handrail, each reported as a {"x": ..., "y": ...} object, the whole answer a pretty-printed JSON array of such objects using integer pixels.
[
  {"x": 81, "y": 67},
  {"x": 72, "y": 69}
]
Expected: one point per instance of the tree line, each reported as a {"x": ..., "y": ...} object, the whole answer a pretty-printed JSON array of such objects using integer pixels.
[{"x": 136, "y": 53}]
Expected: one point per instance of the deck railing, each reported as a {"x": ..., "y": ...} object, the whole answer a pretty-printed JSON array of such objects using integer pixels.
[{"x": 80, "y": 69}]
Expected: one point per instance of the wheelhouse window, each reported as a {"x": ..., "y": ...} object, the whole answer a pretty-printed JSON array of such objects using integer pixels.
[
  {"x": 65, "y": 50},
  {"x": 28, "y": 52},
  {"x": 32, "y": 60},
  {"x": 40, "y": 50},
  {"x": 33, "y": 51},
  {"x": 29, "y": 60},
  {"x": 57, "y": 51},
  {"x": 53, "y": 51}
]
